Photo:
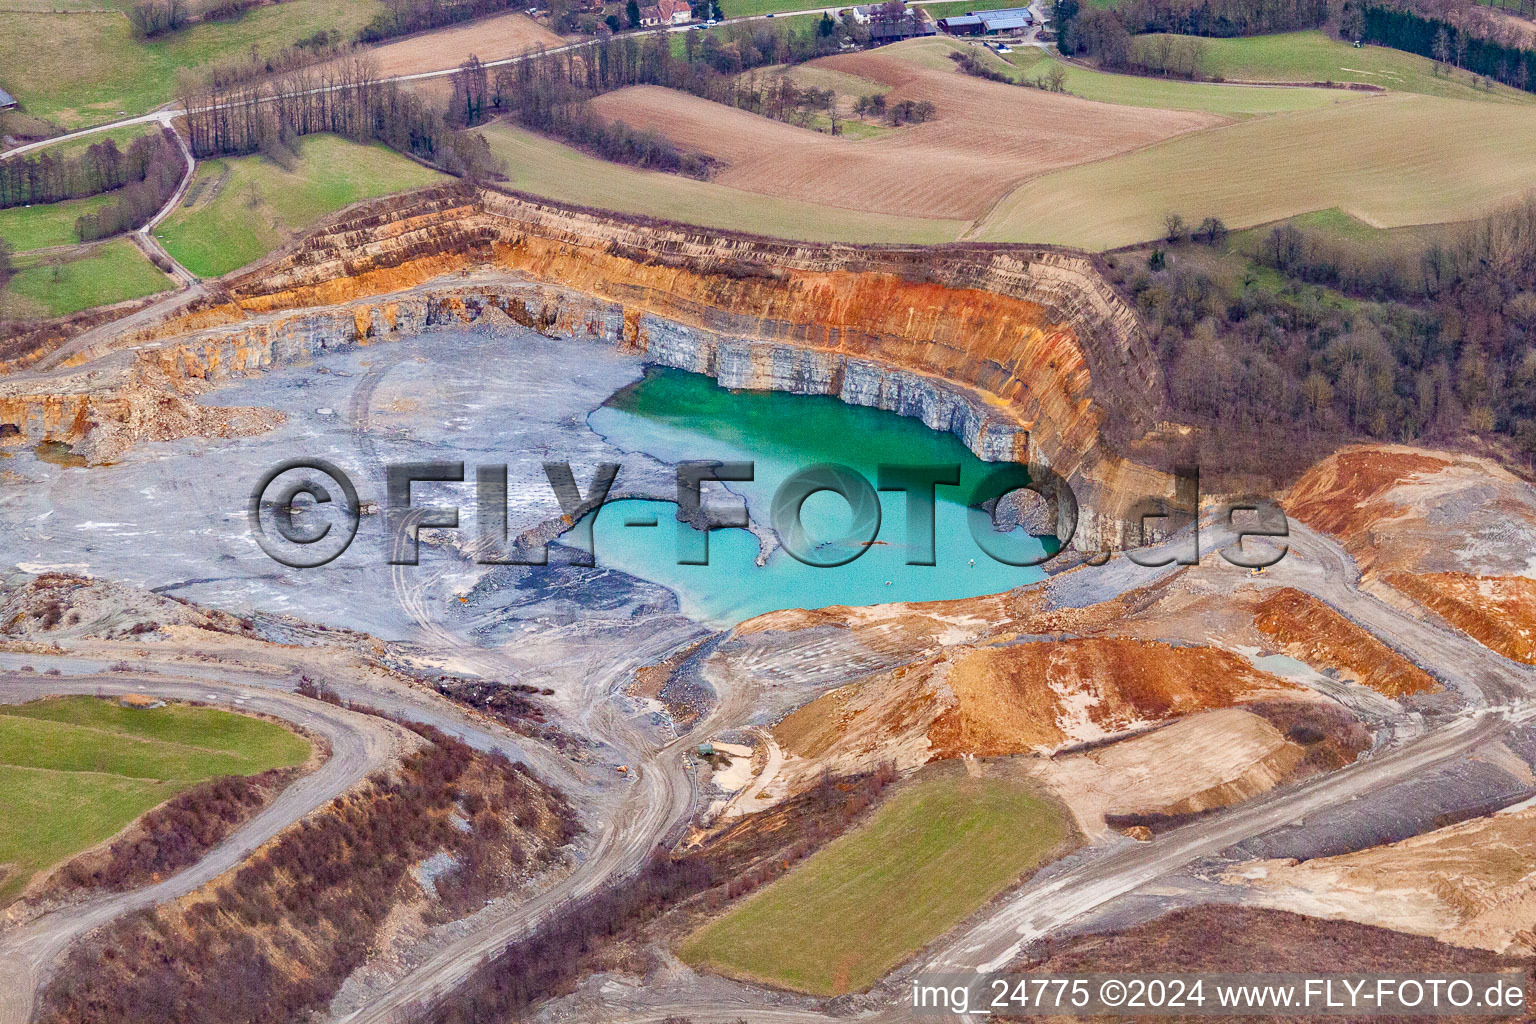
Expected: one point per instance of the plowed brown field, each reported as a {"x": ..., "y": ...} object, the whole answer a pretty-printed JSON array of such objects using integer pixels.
[
  {"x": 503, "y": 36},
  {"x": 985, "y": 139}
]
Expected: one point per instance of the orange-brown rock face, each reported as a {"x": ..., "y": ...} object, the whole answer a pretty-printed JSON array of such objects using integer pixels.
[
  {"x": 1310, "y": 631},
  {"x": 1024, "y": 353},
  {"x": 1455, "y": 533},
  {"x": 1497, "y": 611},
  {"x": 100, "y": 425},
  {"x": 1035, "y": 696}
]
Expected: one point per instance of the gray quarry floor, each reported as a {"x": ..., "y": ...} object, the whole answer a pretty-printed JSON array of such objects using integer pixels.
[{"x": 173, "y": 516}]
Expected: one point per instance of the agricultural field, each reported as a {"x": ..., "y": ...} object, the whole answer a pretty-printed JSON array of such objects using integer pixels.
[
  {"x": 1316, "y": 57},
  {"x": 239, "y": 209},
  {"x": 1388, "y": 161},
  {"x": 1031, "y": 64},
  {"x": 505, "y": 35},
  {"x": 985, "y": 138},
  {"x": 75, "y": 771},
  {"x": 79, "y": 278},
  {"x": 47, "y": 224},
  {"x": 86, "y": 68},
  {"x": 547, "y": 168},
  {"x": 934, "y": 853}
]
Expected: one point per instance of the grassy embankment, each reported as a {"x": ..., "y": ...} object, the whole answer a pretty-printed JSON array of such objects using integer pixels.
[
  {"x": 244, "y": 207},
  {"x": 57, "y": 284},
  {"x": 79, "y": 69},
  {"x": 1317, "y": 57},
  {"x": 76, "y": 770},
  {"x": 1031, "y": 64},
  {"x": 934, "y": 853}
]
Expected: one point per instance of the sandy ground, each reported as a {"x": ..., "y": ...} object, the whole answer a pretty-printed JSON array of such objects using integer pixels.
[
  {"x": 1206, "y": 760},
  {"x": 985, "y": 139},
  {"x": 505, "y": 35},
  {"x": 1451, "y": 533},
  {"x": 1472, "y": 884},
  {"x": 1401, "y": 509}
]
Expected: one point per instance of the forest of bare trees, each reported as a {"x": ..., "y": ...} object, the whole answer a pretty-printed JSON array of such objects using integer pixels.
[
  {"x": 138, "y": 201},
  {"x": 102, "y": 167},
  {"x": 143, "y": 177},
  {"x": 344, "y": 97},
  {"x": 1443, "y": 351}
]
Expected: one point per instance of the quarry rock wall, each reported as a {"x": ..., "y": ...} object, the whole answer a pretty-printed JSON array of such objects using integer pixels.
[{"x": 1025, "y": 353}]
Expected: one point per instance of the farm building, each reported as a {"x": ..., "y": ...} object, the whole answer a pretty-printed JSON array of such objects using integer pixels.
[
  {"x": 666, "y": 12},
  {"x": 887, "y": 25},
  {"x": 988, "y": 23},
  {"x": 7, "y": 101}
]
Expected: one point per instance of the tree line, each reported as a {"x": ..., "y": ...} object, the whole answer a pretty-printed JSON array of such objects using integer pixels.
[
  {"x": 550, "y": 91},
  {"x": 402, "y": 17},
  {"x": 103, "y": 167},
  {"x": 176, "y": 834},
  {"x": 344, "y": 97},
  {"x": 138, "y": 201},
  {"x": 1093, "y": 31},
  {"x": 1443, "y": 41},
  {"x": 1443, "y": 350}
]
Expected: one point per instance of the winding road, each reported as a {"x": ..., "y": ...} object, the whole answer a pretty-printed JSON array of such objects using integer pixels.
[
  {"x": 360, "y": 744},
  {"x": 661, "y": 796}
]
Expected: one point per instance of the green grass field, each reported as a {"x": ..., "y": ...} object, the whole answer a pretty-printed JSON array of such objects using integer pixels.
[
  {"x": 935, "y": 852},
  {"x": 1388, "y": 161},
  {"x": 751, "y": 8},
  {"x": 1337, "y": 225},
  {"x": 1316, "y": 57},
  {"x": 259, "y": 205},
  {"x": 98, "y": 275},
  {"x": 74, "y": 147},
  {"x": 82, "y": 69},
  {"x": 781, "y": 26},
  {"x": 547, "y": 168},
  {"x": 47, "y": 224},
  {"x": 1032, "y": 64},
  {"x": 76, "y": 770}
]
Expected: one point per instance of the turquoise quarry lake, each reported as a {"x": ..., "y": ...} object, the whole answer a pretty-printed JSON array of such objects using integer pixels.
[{"x": 677, "y": 416}]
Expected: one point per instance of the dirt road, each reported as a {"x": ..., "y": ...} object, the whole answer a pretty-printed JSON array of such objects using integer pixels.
[
  {"x": 360, "y": 744},
  {"x": 1497, "y": 692}
]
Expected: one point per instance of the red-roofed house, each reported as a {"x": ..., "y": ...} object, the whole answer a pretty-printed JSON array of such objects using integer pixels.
[{"x": 666, "y": 12}]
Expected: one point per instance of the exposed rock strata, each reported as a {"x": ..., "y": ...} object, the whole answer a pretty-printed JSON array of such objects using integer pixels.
[{"x": 1027, "y": 354}]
